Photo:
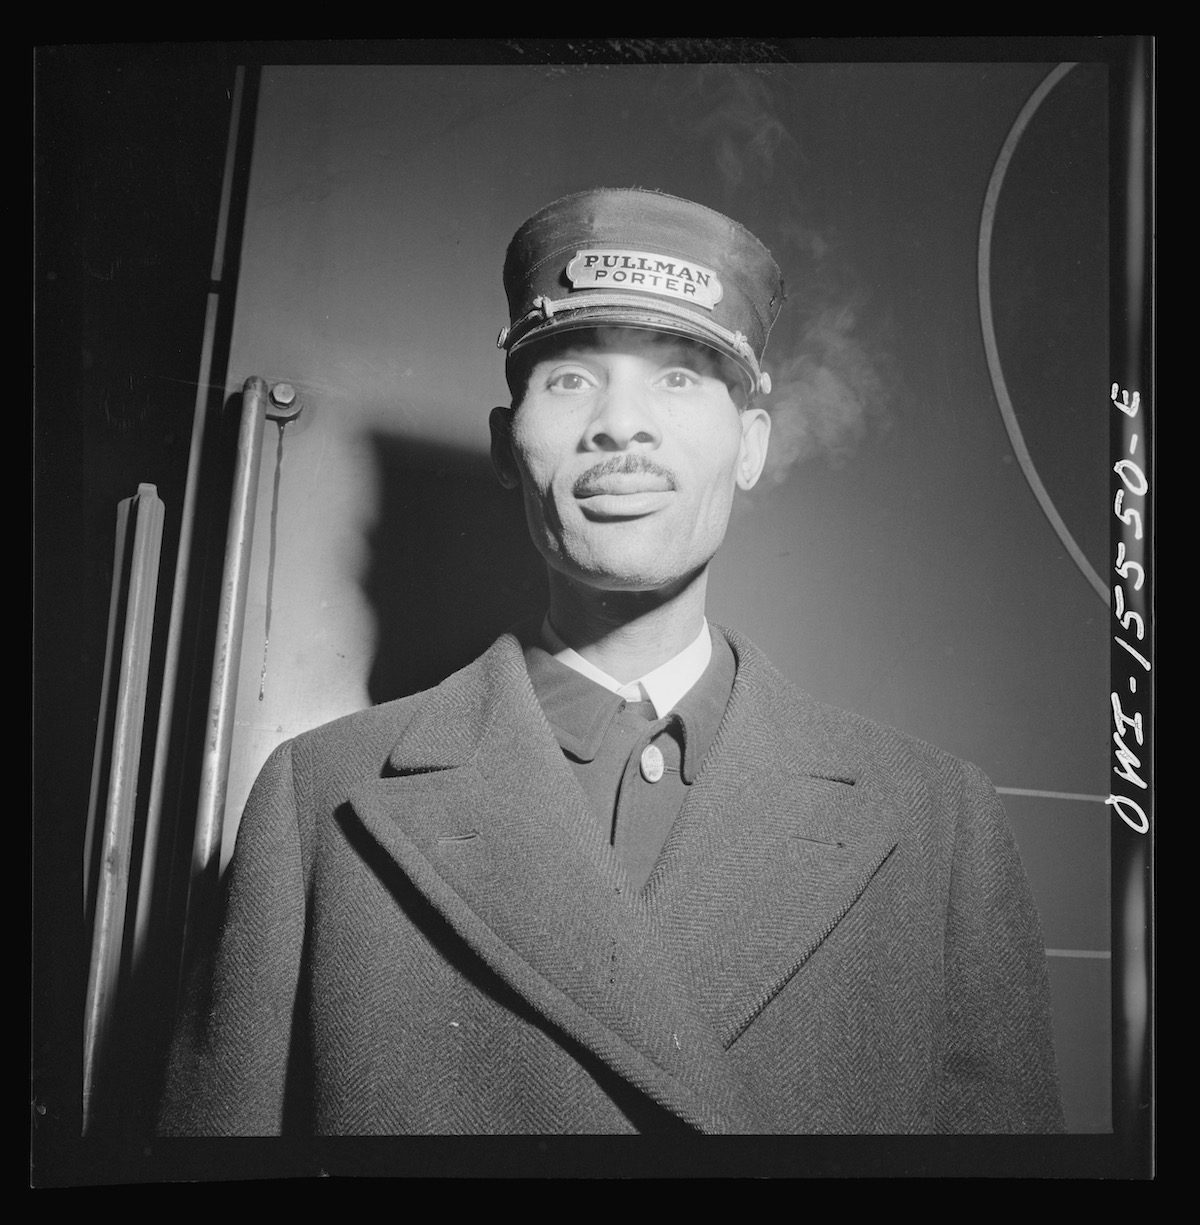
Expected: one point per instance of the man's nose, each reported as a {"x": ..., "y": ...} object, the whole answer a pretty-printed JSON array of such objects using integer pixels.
[{"x": 623, "y": 419}]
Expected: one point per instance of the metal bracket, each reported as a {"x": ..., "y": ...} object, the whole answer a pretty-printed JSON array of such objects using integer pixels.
[{"x": 284, "y": 403}]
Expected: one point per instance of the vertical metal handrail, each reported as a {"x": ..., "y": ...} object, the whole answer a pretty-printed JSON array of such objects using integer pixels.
[
  {"x": 112, "y": 885},
  {"x": 97, "y": 798},
  {"x": 150, "y": 883},
  {"x": 206, "y": 847}
]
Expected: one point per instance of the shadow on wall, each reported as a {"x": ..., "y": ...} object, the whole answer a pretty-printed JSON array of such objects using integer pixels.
[{"x": 450, "y": 564}]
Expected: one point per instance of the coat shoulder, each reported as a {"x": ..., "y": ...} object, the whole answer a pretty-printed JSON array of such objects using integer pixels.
[
  {"x": 365, "y": 735},
  {"x": 843, "y": 739},
  {"x": 361, "y": 746}
]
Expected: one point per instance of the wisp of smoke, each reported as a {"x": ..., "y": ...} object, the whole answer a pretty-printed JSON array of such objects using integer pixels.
[
  {"x": 832, "y": 379},
  {"x": 747, "y": 137},
  {"x": 825, "y": 397}
]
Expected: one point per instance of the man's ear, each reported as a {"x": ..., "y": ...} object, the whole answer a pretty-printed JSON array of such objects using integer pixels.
[
  {"x": 756, "y": 435},
  {"x": 503, "y": 460}
]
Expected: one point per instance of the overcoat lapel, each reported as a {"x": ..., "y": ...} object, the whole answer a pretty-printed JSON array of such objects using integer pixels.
[
  {"x": 484, "y": 816},
  {"x": 791, "y": 816}
]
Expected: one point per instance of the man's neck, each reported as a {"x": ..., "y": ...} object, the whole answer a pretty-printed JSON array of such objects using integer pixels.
[{"x": 626, "y": 633}]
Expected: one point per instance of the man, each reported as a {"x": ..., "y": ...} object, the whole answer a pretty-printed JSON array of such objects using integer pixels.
[{"x": 619, "y": 874}]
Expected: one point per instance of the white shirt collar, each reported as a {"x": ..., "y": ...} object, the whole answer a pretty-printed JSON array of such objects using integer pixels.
[{"x": 664, "y": 686}]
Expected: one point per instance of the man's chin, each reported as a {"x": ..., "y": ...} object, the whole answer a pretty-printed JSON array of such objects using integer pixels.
[{"x": 628, "y": 574}]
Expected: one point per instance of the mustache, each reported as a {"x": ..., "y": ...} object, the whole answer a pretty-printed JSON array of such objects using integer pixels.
[{"x": 621, "y": 465}]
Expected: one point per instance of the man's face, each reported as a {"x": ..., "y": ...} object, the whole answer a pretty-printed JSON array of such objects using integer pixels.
[{"x": 628, "y": 446}]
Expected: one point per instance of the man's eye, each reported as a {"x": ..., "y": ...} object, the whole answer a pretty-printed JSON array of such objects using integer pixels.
[
  {"x": 678, "y": 380},
  {"x": 568, "y": 380}
]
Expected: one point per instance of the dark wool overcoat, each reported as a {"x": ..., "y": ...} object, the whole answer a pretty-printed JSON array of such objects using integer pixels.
[{"x": 425, "y": 931}]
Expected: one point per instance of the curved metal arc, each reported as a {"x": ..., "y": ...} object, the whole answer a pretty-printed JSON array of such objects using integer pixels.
[{"x": 1007, "y": 412}]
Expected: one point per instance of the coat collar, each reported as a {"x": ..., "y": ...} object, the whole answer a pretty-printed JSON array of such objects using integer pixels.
[
  {"x": 781, "y": 832},
  {"x": 580, "y": 711}
]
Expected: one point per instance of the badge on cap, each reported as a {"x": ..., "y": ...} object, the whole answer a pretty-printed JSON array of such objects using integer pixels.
[{"x": 616, "y": 268}]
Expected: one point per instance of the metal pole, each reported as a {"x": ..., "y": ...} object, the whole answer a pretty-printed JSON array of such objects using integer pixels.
[
  {"x": 206, "y": 848},
  {"x": 113, "y": 885},
  {"x": 149, "y": 879},
  {"x": 97, "y": 799}
]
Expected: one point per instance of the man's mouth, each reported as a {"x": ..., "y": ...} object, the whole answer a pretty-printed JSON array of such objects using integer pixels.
[
  {"x": 623, "y": 484},
  {"x": 623, "y": 478}
]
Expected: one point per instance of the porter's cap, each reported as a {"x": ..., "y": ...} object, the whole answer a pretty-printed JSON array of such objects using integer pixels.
[{"x": 629, "y": 257}]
